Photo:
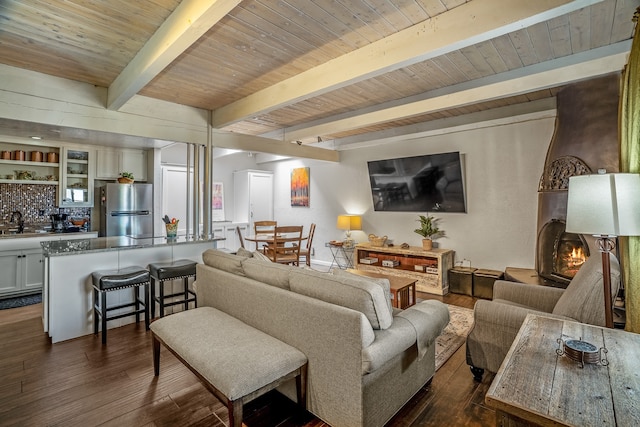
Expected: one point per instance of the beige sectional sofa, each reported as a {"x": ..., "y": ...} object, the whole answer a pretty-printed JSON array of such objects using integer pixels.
[{"x": 365, "y": 359}]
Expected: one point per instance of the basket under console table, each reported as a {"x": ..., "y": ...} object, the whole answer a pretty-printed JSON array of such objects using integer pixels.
[{"x": 428, "y": 268}]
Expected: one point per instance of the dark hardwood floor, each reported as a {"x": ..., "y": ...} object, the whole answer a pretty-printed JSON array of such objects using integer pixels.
[{"x": 82, "y": 383}]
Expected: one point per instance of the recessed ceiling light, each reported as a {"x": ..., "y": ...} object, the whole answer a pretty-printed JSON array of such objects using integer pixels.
[{"x": 35, "y": 137}]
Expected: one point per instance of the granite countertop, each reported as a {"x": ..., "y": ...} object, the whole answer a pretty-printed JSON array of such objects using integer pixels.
[
  {"x": 104, "y": 244},
  {"x": 30, "y": 234}
]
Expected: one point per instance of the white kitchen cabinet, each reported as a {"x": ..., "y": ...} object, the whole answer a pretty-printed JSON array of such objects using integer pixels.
[
  {"x": 232, "y": 241},
  {"x": 253, "y": 197},
  {"x": 219, "y": 230},
  {"x": 109, "y": 163},
  {"x": 22, "y": 272},
  {"x": 77, "y": 178}
]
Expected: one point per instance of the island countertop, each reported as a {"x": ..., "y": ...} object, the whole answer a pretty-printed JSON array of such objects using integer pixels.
[
  {"x": 67, "y": 297},
  {"x": 116, "y": 243}
]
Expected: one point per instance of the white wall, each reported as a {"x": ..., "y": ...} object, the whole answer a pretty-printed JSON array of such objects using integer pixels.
[{"x": 502, "y": 168}]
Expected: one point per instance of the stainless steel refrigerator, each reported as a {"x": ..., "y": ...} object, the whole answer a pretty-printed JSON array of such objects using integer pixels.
[{"x": 126, "y": 210}]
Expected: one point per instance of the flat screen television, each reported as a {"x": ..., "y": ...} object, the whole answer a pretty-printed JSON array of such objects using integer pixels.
[{"x": 427, "y": 183}]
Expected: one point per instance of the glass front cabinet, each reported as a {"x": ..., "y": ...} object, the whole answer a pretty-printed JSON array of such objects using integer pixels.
[{"x": 77, "y": 181}]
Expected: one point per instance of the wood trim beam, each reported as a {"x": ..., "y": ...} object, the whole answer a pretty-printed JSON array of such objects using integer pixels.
[
  {"x": 237, "y": 141},
  {"x": 526, "y": 111},
  {"x": 463, "y": 26},
  {"x": 188, "y": 22},
  {"x": 581, "y": 66}
]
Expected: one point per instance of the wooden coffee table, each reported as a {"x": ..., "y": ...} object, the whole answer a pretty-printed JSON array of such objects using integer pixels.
[
  {"x": 403, "y": 289},
  {"x": 535, "y": 386}
]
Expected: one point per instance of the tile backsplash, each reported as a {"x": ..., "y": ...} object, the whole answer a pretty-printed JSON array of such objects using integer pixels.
[{"x": 31, "y": 200}]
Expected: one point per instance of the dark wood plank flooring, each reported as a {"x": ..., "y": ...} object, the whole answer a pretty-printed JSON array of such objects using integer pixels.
[{"x": 82, "y": 383}]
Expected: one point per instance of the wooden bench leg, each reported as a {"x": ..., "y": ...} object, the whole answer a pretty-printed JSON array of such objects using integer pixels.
[
  {"x": 235, "y": 412},
  {"x": 156, "y": 356},
  {"x": 301, "y": 387}
]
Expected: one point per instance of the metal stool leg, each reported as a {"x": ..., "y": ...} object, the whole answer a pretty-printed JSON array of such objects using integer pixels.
[
  {"x": 153, "y": 297},
  {"x": 185, "y": 282},
  {"x": 95, "y": 311},
  {"x": 146, "y": 306},
  {"x": 103, "y": 311},
  {"x": 161, "y": 302}
]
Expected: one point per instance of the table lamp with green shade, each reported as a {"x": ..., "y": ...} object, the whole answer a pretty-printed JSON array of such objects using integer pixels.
[
  {"x": 606, "y": 206},
  {"x": 349, "y": 223}
]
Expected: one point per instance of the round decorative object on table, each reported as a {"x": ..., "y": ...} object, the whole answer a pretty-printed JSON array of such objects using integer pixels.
[{"x": 582, "y": 352}]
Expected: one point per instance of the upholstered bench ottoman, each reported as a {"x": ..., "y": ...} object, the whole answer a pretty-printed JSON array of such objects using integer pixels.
[{"x": 235, "y": 361}]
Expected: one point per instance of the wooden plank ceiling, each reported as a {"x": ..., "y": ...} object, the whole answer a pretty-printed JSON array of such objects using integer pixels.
[{"x": 235, "y": 49}]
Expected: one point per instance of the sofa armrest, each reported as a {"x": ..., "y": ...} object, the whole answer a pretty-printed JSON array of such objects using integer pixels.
[{"x": 542, "y": 298}]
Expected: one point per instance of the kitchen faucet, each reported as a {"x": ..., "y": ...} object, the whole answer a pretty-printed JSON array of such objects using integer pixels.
[{"x": 19, "y": 219}]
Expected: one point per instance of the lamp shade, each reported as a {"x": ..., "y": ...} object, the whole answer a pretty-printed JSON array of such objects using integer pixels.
[
  {"x": 349, "y": 222},
  {"x": 604, "y": 204}
]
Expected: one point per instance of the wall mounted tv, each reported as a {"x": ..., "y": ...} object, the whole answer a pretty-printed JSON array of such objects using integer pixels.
[{"x": 428, "y": 183}]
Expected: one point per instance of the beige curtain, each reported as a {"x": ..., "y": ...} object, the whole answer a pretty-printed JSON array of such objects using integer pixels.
[{"x": 630, "y": 162}]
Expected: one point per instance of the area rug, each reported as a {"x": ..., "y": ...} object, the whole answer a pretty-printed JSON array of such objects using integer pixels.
[
  {"x": 455, "y": 333},
  {"x": 20, "y": 301}
]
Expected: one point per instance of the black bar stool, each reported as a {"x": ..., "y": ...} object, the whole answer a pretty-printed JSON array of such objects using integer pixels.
[
  {"x": 173, "y": 270},
  {"x": 112, "y": 280}
]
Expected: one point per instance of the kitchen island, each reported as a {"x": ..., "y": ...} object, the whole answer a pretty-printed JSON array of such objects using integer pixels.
[{"x": 67, "y": 296}]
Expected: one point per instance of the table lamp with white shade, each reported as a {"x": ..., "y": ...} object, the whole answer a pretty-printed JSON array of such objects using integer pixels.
[
  {"x": 605, "y": 205},
  {"x": 349, "y": 223}
]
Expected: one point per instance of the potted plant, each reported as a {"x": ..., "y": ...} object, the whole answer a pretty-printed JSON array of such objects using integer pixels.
[
  {"x": 428, "y": 230},
  {"x": 126, "y": 178}
]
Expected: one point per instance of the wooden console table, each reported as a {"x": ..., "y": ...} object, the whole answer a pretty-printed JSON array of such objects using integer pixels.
[
  {"x": 428, "y": 268},
  {"x": 536, "y": 386}
]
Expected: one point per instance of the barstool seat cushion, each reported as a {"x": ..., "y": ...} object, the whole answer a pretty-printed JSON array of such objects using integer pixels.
[
  {"x": 170, "y": 270},
  {"x": 124, "y": 277}
]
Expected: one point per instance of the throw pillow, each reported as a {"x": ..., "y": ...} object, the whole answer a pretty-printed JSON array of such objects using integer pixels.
[
  {"x": 382, "y": 282},
  {"x": 261, "y": 257},
  {"x": 244, "y": 253},
  {"x": 365, "y": 297}
]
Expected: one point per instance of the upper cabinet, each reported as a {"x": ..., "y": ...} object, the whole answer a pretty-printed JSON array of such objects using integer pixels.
[
  {"x": 109, "y": 163},
  {"x": 77, "y": 177}
]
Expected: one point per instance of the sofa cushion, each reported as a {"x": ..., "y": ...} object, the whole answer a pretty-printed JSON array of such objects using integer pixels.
[
  {"x": 365, "y": 297},
  {"x": 267, "y": 272},
  {"x": 583, "y": 298},
  {"x": 223, "y": 261},
  {"x": 383, "y": 283}
]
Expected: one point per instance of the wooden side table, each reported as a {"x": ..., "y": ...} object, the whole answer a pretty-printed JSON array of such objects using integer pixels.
[
  {"x": 536, "y": 386},
  {"x": 403, "y": 289}
]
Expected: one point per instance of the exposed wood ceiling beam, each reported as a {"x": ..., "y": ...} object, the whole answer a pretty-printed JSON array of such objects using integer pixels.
[
  {"x": 463, "y": 26},
  {"x": 188, "y": 22},
  {"x": 526, "y": 111},
  {"x": 237, "y": 141},
  {"x": 593, "y": 63}
]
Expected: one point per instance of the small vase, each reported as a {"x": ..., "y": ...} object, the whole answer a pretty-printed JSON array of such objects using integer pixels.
[
  {"x": 427, "y": 244},
  {"x": 172, "y": 230}
]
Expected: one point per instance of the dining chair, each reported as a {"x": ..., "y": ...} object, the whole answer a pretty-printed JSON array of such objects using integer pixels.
[
  {"x": 306, "y": 251},
  {"x": 240, "y": 237},
  {"x": 263, "y": 227},
  {"x": 284, "y": 248}
]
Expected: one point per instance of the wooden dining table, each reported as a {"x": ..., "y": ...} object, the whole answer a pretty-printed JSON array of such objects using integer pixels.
[{"x": 268, "y": 238}]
